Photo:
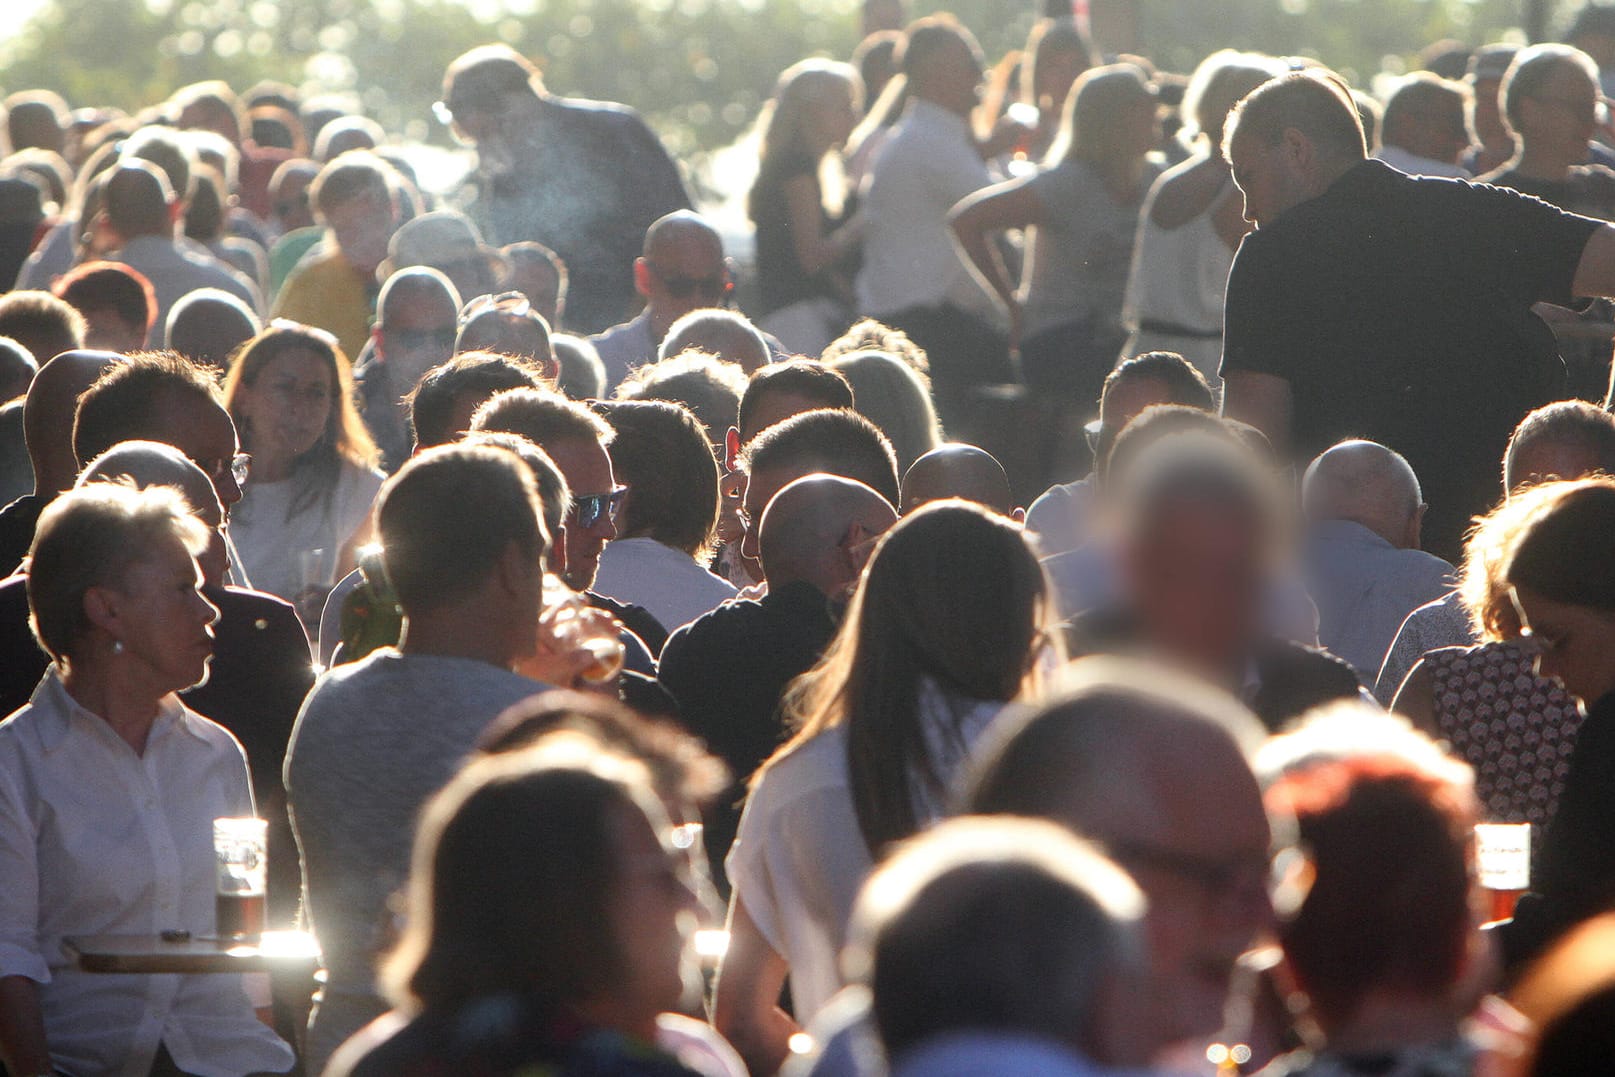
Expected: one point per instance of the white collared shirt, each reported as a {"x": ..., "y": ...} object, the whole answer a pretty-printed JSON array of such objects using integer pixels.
[
  {"x": 1414, "y": 165},
  {"x": 95, "y": 839},
  {"x": 922, "y": 172}
]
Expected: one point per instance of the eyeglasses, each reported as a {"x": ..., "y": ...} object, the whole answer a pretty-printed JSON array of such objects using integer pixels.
[
  {"x": 237, "y": 467},
  {"x": 1216, "y": 879},
  {"x": 713, "y": 288},
  {"x": 411, "y": 339},
  {"x": 588, "y": 509},
  {"x": 513, "y": 303}
]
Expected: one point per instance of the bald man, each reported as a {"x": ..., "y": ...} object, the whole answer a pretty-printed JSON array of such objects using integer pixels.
[
  {"x": 48, "y": 431},
  {"x": 416, "y": 314},
  {"x": 682, "y": 269},
  {"x": 964, "y": 472},
  {"x": 728, "y": 670},
  {"x": 261, "y": 666},
  {"x": 724, "y": 333},
  {"x": 142, "y": 212},
  {"x": 1361, "y": 558}
]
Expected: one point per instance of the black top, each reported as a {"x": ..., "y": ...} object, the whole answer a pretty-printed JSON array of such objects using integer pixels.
[
  {"x": 1575, "y": 877},
  {"x": 17, "y": 523},
  {"x": 781, "y": 280},
  {"x": 1399, "y": 309},
  {"x": 590, "y": 178},
  {"x": 261, "y": 671},
  {"x": 646, "y": 630},
  {"x": 1587, "y": 189},
  {"x": 727, "y": 671},
  {"x": 1290, "y": 678}
]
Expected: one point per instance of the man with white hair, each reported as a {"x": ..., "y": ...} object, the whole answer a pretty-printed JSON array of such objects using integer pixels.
[{"x": 1361, "y": 555}]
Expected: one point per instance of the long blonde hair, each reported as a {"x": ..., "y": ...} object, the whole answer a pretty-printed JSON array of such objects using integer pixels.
[
  {"x": 953, "y": 595},
  {"x": 1091, "y": 126},
  {"x": 783, "y": 126}
]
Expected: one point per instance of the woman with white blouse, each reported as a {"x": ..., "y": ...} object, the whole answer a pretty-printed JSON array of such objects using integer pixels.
[
  {"x": 109, "y": 787},
  {"x": 947, "y": 627}
]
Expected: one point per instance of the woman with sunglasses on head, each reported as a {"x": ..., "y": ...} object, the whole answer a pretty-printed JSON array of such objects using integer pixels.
[
  {"x": 306, "y": 505},
  {"x": 947, "y": 627}
]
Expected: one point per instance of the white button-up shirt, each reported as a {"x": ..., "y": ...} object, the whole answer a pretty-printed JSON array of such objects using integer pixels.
[
  {"x": 921, "y": 173},
  {"x": 95, "y": 839}
]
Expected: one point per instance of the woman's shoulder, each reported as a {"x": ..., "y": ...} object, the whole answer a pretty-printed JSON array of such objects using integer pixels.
[{"x": 818, "y": 763}]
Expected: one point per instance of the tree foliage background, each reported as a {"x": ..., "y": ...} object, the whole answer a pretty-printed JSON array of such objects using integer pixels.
[{"x": 698, "y": 69}]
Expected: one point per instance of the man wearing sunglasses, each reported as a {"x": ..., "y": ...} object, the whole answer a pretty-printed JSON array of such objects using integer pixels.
[
  {"x": 583, "y": 178},
  {"x": 682, "y": 269},
  {"x": 414, "y": 332}
]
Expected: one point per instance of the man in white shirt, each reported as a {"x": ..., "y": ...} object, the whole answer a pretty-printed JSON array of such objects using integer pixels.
[
  {"x": 1425, "y": 132},
  {"x": 912, "y": 278},
  {"x": 1361, "y": 556}
]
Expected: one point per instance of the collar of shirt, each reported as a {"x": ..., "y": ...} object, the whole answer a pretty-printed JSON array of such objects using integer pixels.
[
  {"x": 1350, "y": 532},
  {"x": 929, "y": 116},
  {"x": 58, "y": 712}
]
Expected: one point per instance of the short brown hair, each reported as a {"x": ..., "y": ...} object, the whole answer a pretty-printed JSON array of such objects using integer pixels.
[
  {"x": 122, "y": 404},
  {"x": 1316, "y": 102},
  {"x": 349, "y": 176},
  {"x": 662, "y": 455}
]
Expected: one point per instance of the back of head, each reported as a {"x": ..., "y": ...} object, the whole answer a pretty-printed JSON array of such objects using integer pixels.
[
  {"x": 480, "y": 79},
  {"x": 1099, "y": 122},
  {"x": 721, "y": 333},
  {"x": 42, "y": 323},
  {"x": 542, "y": 416},
  {"x": 1387, "y": 820},
  {"x": 802, "y": 379},
  {"x": 1185, "y": 385},
  {"x": 1151, "y": 425},
  {"x": 349, "y": 177},
  {"x": 412, "y": 286},
  {"x": 461, "y": 385},
  {"x": 110, "y": 286},
  {"x": 928, "y": 40},
  {"x": 709, "y": 386},
  {"x": 36, "y": 118},
  {"x": 868, "y": 335},
  {"x": 347, "y": 134},
  {"x": 582, "y": 373},
  {"x": 138, "y": 201},
  {"x": 958, "y": 471},
  {"x": 993, "y": 926},
  {"x": 508, "y": 326},
  {"x": 1199, "y": 469},
  {"x": 513, "y": 863},
  {"x": 661, "y": 453},
  {"x": 1365, "y": 483},
  {"x": 210, "y": 325},
  {"x": 1218, "y": 84},
  {"x": 807, "y": 528},
  {"x": 553, "y": 493},
  {"x": 896, "y": 398},
  {"x": 171, "y": 151},
  {"x": 836, "y": 442},
  {"x": 1314, "y": 102},
  {"x": 17, "y": 369},
  {"x": 127, "y": 402},
  {"x": 1560, "y": 549},
  {"x": 1568, "y": 439},
  {"x": 1422, "y": 98},
  {"x": 447, "y": 518},
  {"x": 48, "y": 415},
  {"x": 676, "y": 229}
]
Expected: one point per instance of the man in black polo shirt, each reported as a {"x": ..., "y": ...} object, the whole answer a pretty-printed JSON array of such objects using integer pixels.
[{"x": 1372, "y": 304}]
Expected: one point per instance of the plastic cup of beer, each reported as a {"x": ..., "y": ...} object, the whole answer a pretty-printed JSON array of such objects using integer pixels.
[
  {"x": 1503, "y": 865},
  {"x": 241, "y": 863}
]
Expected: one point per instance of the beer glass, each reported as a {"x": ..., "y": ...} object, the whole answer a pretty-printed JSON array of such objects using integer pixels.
[
  {"x": 1503, "y": 865},
  {"x": 241, "y": 864}
]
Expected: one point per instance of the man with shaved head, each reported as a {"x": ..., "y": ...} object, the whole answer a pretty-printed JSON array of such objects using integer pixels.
[
  {"x": 728, "y": 670},
  {"x": 682, "y": 269},
  {"x": 416, "y": 312},
  {"x": 48, "y": 430},
  {"x": 142, "y": 214},
  {"x": 727, "y": 334},
  {"x": 208, "y": 325},
  {"x": 1361, "y": 556},
  {"x": 961, "y": 471}
]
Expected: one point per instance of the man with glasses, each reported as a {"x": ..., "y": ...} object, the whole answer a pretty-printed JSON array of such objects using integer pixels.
[
  {"x": 584, "y": 178},
  {"x": 414, "y": 332},
  {"x": 682, "y": 269}
]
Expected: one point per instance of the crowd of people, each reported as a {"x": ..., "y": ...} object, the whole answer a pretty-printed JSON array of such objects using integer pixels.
[{"x": 1064, "y": 606}]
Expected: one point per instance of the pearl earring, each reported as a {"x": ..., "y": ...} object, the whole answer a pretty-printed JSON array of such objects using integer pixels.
[{"x": 117, "y": 646}]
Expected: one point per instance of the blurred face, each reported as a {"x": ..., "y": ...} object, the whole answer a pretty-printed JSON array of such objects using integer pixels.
[
  {"x": 288, "y": 405},
  {"x": 538, "y": 282},
  {"x": 761, "y": 486},
  {"x": 1268, "y": 176},
  {"x": 587, "y": 469},
  {"x": 159, "y": 615},
  {"x": 654, "y": 914},
  {"x": 1201, "y": 857},
  {"x": 215, "y": 560},
  {"x": 204, "y": 432},
  {"x": 1575, "y": 644},
  {"x": 1441, "y": 134},
  {"x": 362, "y": 226},
  {"x": 1559, "y": 119},
  {"x": 1487, "y": 116},
  {"x": 292, "y": 209},
  {"x": 834, "y": 117},
  {"x": 687, "y": 275},
  {"x": 415, "y": 337},
  {"x": 1126, "y": 401},
  {"x": 1195, "y": 576},
  {"x": 954, "y": 78}
]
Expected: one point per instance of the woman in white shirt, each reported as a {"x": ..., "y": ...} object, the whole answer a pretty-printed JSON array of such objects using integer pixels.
[
  {"x": 668, "y": 524},
  {"x": 108, "y": 791},
  {"x": 306, "y": 506},
  {"x": 946, "y": 628}
]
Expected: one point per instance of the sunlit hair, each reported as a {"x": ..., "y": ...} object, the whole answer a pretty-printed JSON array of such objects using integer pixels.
[
  {"x": 978, "y": 637},
  {"x": 1573, "y": 425},
  {"x": 513, "y": 865},
  {"x": 1094, "y": 123},
  {"x": 1530, "y": 72},
  {"x": 1386, "y": 817},
  {"x": 867, "y": 335},
  {"x": 896, "y": 398},
  {"x": 345, "y": 440},
  {"x": 90, "y": 537},
  {"x": 1220, "y": 82},
  {"x": 1560, "y": 548},
  {"x": 1049, "y": 39},
  {"x": 1483, "y": 586},
  {"x": 785, "y": 128},
  {"x": 1315, "y": 102},
  {"x": 884, "y": 112},
  {"x": 662, "y": 454}
]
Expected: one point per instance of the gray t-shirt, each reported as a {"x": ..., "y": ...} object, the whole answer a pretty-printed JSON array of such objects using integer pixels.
[
  {"x": 374, "y": 741},
  {"x": 1082, "y": 252}
]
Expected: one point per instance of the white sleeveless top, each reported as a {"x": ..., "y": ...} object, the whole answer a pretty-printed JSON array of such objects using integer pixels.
[{"x": 1179, "y": 278}]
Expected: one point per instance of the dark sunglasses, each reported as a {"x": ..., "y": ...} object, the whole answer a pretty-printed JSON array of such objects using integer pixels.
[
  {"x": 419, "y": 338},
  {"x": 588, "y": 509},
  {"x": 713, "y": 288},
  {"x": 238, "y": 467}
]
